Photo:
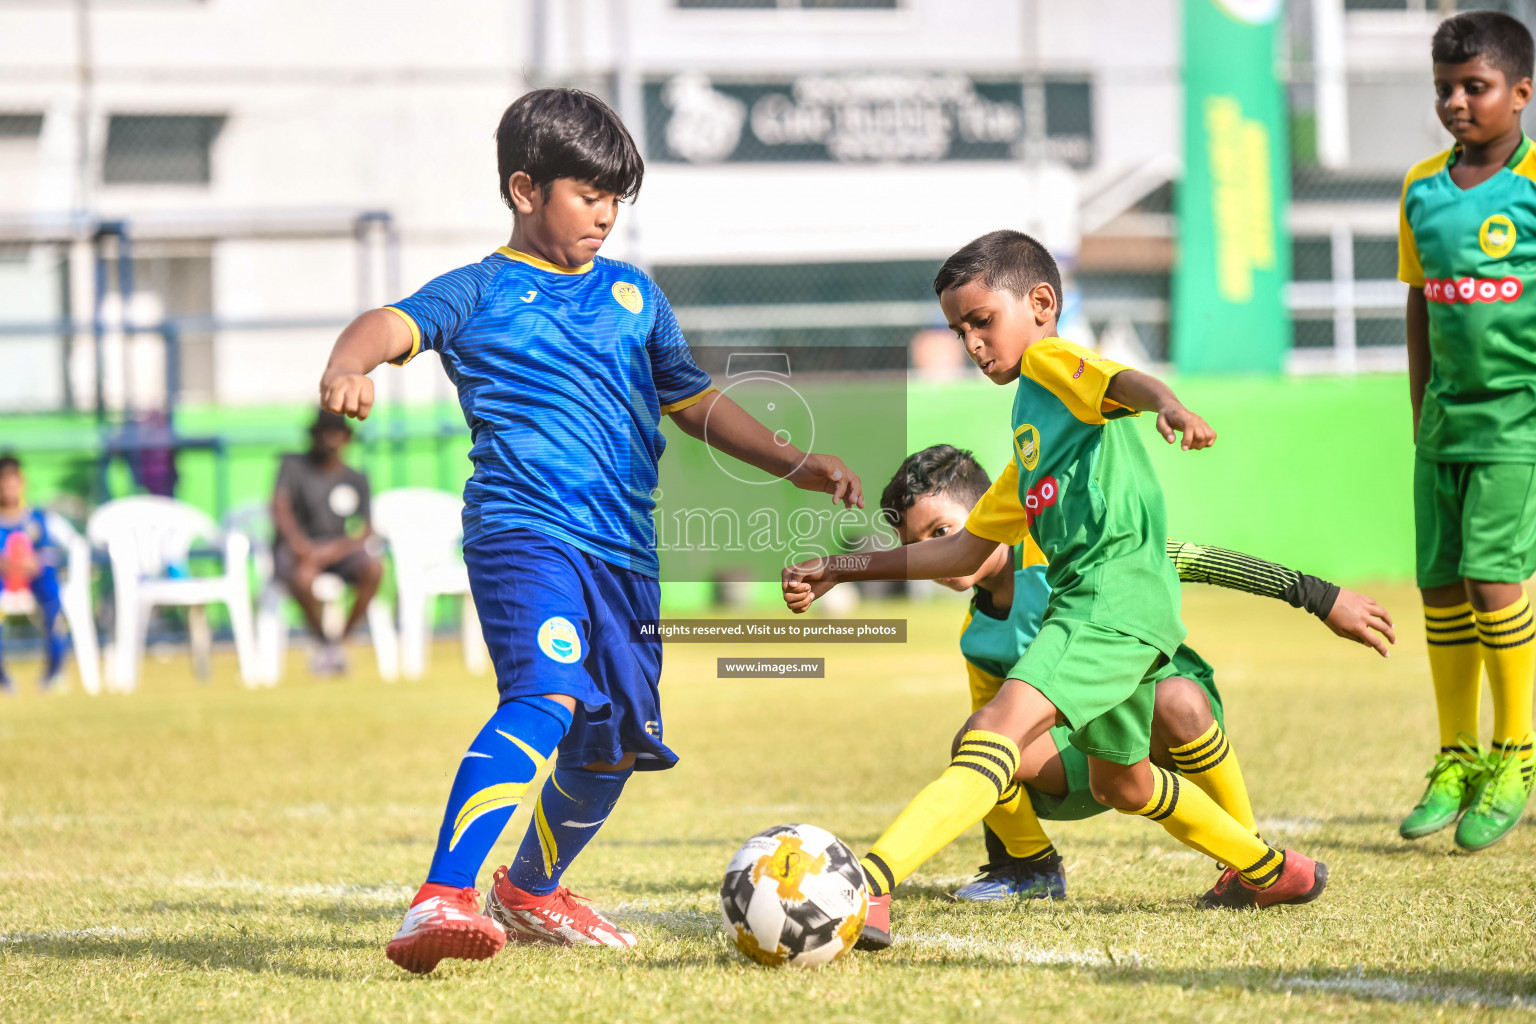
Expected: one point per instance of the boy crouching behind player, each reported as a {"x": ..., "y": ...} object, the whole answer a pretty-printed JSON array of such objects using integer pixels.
[{"x": 930, "y": 496}]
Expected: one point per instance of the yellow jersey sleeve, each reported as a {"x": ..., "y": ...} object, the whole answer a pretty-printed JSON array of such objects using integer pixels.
[
  {"x": 998, "y": 515},
  {"x": 410, "y": 322},
  {"x": 984, "y": 686},
  {"x": 1410, "y": 269},
  {"x": 1077, "y": 376}
]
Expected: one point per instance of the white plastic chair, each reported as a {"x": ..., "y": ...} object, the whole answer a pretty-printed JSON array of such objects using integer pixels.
[
  {"x": 74, "y": 596},
  {"x": 329, "y": 589},
  {"x": 425, "y": 533},
  {"x": 145, "y": 535}
]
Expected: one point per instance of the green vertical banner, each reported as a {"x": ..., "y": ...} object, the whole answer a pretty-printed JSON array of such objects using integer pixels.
[{"x": 1229, "y": 311}]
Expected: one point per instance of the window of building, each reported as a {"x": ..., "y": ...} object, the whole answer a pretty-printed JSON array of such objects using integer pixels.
[
  {"x": 160, "y": 149},
  {"x": 20, "y": 126},
  {"x": 1514, "y": 7},
  {"x": 808, "y": 5}
]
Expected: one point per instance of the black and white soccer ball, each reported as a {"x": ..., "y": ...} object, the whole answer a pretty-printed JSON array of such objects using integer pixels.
[{"x": 794, "y": 894}]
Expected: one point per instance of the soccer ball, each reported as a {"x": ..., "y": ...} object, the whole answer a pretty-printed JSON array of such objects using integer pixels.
[{"x": 794, "y": 894}]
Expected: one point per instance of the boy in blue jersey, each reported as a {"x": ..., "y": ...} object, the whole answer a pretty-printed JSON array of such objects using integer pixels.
[
  {"x": 931, "y": 496},
  {"x": 29, "y": 560},
  {"x": 565, "y": 363}
]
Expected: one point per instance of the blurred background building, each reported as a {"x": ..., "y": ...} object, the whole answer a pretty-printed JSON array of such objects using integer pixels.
[
  {"x": 251, "y": 173},
  {"x": 196, "y": 194}
]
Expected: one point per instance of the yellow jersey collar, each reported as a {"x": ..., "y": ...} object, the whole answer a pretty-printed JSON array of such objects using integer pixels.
[{"x": 535, "y": 262}]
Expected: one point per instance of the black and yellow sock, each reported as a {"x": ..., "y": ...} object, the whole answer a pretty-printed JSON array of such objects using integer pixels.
[
  {"x": 1522, "y": 750},
  {"x": 1209, "y": 763},
  {"x": 1456, "y": 668},
  {"x": 1510, "y": 655},
  {"x": 1195, "y": 820},
  {"x": 1014, "y": 822},
  {"x": 982, "y": 769}
]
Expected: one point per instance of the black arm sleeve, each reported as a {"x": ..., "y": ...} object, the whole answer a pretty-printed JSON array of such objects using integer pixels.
[{"x": 1237, "y": 571}]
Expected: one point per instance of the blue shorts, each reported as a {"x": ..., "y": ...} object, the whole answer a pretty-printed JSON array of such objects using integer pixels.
[{"x": 556, "y": 620}]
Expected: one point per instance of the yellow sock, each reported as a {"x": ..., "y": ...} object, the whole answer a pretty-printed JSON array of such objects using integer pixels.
[
  {"x": 1510, "y": 656},
  {"x": 1209, "y": 763},
  {"x": 969, "y": 788},
  {"x": 1456, "y": 667},
  {"x": 1015, "y": 823},
  {"x": 1193, "y": 819}
]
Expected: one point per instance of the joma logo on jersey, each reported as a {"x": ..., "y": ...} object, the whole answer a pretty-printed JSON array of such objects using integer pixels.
[
  {"x": 1497, "y": 236},
  {"x": 1448, "y": 291},
  {"x": 1026, "y": 442},
  {"x": 1040, "y": 497}
]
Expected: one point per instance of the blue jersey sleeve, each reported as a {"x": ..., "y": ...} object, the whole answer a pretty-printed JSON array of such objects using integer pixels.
[
  {"x": 442, "y": 307},
  {"x": 679, "y": 380}
]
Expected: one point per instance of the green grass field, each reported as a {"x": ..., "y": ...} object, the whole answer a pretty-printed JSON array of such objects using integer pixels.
[{"x": 194, "y": 853}]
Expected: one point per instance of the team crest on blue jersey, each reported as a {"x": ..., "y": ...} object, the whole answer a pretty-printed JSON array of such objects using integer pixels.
[
  {"x": 628, "y": 296},
  {"x": 1497, "y": 236},
  {"x": 559, "y": 639}
]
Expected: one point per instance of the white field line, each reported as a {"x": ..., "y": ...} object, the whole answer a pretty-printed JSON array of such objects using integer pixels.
[
  {"x": 1403, "y": 990},
  {"x": 1289, "y": 826},
  {"x": 1397, "y": 990},
  {"x": 17, "y": 938},
  {"x": 1019, "y": 953},
  {"x": 360, "y": 893},
  {"x": 674, "y": 920}
]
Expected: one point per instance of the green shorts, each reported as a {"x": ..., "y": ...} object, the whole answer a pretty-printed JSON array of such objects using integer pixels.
[
  {"x": 1474, "y": 520},
  {"x": 1100, "y": 680},
  {"x": 1078, "y": 801}
]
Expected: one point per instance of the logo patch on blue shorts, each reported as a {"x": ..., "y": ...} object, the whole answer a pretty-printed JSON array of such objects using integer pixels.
[{"x": 559, "y": 639}]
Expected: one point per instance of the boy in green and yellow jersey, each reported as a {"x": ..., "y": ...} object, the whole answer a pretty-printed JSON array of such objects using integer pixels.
[
  {"x": 931, "y": 495},
  {"x": 1080, "y": 484},
  {"x": 1466, "y": 244}
]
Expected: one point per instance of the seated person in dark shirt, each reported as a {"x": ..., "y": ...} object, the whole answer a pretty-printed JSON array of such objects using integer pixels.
[{"x": 316, "y": 495}]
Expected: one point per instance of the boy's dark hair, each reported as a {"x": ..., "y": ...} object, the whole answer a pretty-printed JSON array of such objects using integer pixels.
[
  {"x": 1492, "y": 35},
  {"x": 566, "y": 133},
  {"x": 325, "y": 420},
  {"x": 9, "y": 463},
  {"x": 940, "y": 469},
  {"x": 1007, "y": 260}
]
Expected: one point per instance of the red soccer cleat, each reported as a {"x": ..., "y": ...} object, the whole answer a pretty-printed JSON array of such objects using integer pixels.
[
  {"x": 877, "y": 925},
  {"x": 444, "y": 922},
  {"x": 1301, "y": 880},
  {"x": 560, "y": 918}
]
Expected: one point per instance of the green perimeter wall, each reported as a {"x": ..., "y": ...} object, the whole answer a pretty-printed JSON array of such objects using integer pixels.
[{"x": 1312, "y": 472}]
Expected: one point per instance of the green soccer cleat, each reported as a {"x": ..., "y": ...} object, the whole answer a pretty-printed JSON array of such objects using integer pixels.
[
  {"x": 1499, "y": 801},
  {"x": 1452, "y": 784}
]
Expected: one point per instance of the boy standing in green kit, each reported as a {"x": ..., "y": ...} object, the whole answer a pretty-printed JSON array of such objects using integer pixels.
[{"x": 1467, "y": 241}]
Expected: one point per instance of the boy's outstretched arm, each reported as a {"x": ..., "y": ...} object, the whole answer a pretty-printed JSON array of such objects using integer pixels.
[
  {"x": 954, "y": 554},
  {"x": 721, "y": 423},
  {"x": 377, "y": 336},
  {"x": 1145, "y": 393},
  {"x": 1353, "y": 616}
]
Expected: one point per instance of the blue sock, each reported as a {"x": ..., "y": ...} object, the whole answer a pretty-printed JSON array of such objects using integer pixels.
[
  {"x": 45, "y": 590},
  {"x": 572, "y": 807},
  {"x": 513, "y": 747}
]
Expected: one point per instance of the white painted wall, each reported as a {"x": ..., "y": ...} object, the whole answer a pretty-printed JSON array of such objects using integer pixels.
[{"x": 350, "y": 104}]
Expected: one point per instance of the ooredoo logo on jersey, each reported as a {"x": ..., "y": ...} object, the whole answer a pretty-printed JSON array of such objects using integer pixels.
[{"x": 1450, "y": 291}]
